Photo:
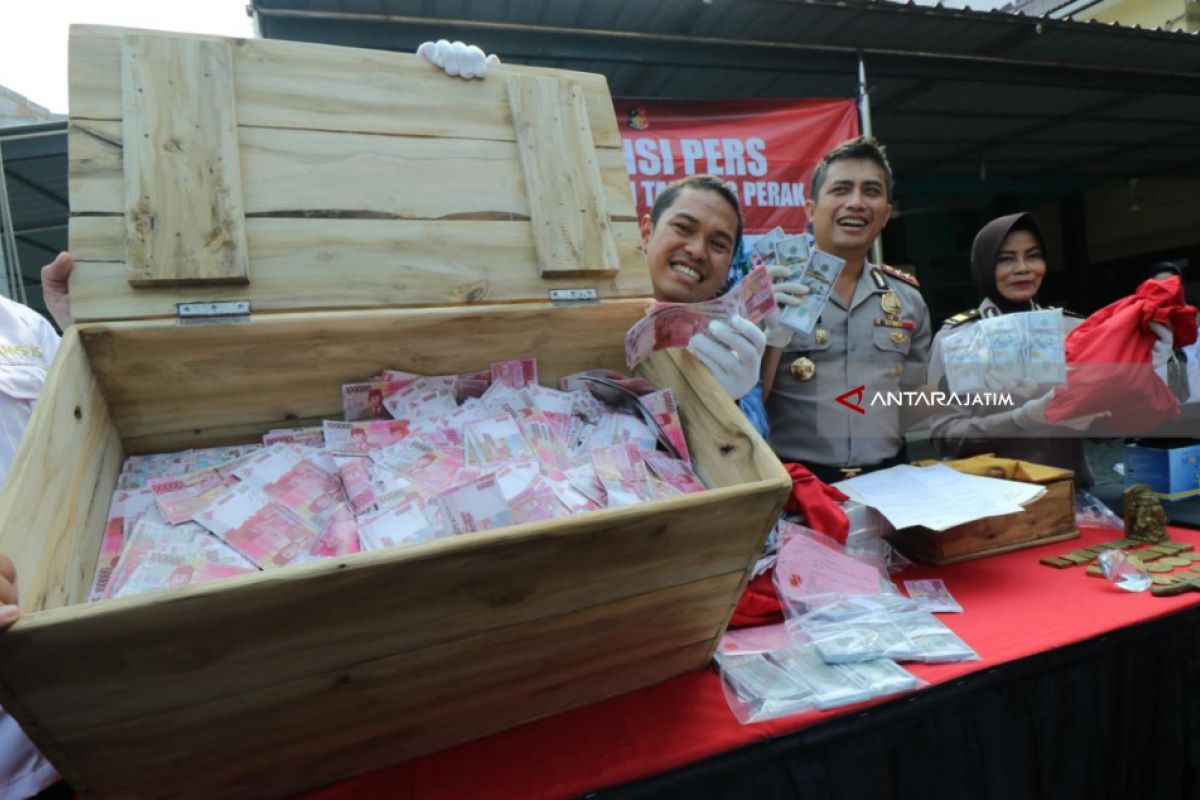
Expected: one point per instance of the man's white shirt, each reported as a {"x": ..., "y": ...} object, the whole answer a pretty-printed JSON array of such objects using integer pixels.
[{"x": 27, "y": 346}]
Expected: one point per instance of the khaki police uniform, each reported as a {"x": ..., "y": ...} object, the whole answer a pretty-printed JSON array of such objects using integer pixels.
[
  {"x": 879, "y": 341},
  {"x": 961, "y": 431}
]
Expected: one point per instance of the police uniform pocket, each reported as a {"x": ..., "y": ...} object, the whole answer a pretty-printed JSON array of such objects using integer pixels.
[
  {"x": 894, "y": 340},
  {"x": 816, "y": 339}
]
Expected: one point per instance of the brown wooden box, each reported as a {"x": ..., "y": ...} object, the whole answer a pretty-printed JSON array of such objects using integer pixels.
[
  {"x": 1050, "y": 518},
  {"x": 323, "y": 211}
]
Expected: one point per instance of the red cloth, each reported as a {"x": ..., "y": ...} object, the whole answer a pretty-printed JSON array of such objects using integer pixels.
[
  {"x": 817, "y": 502},
  {"x": 1109, "y": 359},
  {"x": 759, "y": 604},
  {"x": 1013, "y": 608}
]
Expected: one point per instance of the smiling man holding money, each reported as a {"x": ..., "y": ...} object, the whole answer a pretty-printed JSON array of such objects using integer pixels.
[
  {"x": 690, "y": 237},
  {"x": 873, "y": 332}
]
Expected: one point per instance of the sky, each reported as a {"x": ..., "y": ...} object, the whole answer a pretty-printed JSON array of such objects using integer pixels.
[{"x": 33, "y": 35}]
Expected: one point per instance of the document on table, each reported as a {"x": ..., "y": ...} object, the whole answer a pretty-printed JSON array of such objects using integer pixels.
[{"x": 938, "y": 497}]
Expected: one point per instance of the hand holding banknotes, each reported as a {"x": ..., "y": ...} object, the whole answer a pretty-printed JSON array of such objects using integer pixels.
[
  {"x": 787, "y": 293},
  {"x": 457, "y": 59},
  {"x": 1023, "y": 388},
  {"x": 8, "y": 592},
  {"x": 732, "y": 353}
]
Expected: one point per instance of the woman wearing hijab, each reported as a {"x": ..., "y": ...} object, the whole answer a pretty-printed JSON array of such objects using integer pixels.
[{"x": 1008, "y": 264}]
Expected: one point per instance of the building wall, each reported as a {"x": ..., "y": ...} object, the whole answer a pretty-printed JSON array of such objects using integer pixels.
[
  {"x": 1175, "y": 15},
  {"x": 1130, "y": 218},
  {"x": 17, "y": 109}
]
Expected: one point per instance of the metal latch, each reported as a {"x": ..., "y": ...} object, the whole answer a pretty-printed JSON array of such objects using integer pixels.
[
  {"x": 574, "y": 297},
  {"x": 213, "y": 313}
]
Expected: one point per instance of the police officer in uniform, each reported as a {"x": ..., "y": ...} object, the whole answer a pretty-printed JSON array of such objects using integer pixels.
[
  {"x": 874, "y": 333},
  {"x": 1008, "y": 264}
]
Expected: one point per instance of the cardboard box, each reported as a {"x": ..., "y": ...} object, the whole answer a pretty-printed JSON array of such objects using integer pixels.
[
  {"x": 1050, "y": 518},
  {"x": 262, "y": 685},
  {"x": 1172, "y": 472}
]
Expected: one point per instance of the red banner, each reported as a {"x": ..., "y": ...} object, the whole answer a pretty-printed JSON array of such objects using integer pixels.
[{"x": 764, "y": 149}]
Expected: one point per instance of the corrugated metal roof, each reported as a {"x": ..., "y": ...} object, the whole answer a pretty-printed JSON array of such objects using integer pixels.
[
  {"x": 35, "y": 172},
  {"x": 950, "y": 88}
]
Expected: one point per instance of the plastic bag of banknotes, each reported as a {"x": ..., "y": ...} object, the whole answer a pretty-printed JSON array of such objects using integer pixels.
[
  {"x": 1090, "y": 512},
  {"x": 777, "y": 683},
  {"x": 846, "y": 629},
  {"x": 866, "y": 541},
  {"x": 810, "y": 565}
]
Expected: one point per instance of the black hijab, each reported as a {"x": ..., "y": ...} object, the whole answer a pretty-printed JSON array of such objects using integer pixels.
[
  {"x": 987, "y": 247},
  {"x": 1164, "y": 266}
]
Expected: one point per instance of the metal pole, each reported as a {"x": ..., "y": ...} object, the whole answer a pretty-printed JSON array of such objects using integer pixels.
[
  {"x": 8, "y": 252},
  {"x": 864, "y": 120}
]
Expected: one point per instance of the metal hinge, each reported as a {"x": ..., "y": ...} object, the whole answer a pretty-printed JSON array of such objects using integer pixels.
[
  {"x": 213, "y": 313},
  {"x": 574, "y": 297}
]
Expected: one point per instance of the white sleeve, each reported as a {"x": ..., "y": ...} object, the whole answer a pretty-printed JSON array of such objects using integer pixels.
[{"x": 49, "y": 340}]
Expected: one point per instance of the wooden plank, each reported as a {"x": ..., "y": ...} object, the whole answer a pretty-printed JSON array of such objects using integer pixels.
[
  {"x": 337, "y": 263},
  {"x": 345, "y": 175},
  {"x": 322, "y": 87},
  {"x": 55, "y": 499},
  {"x": 1050, "y": 518},
  {"x": 199, "y": 643},
  {"x": 571, "y": 229},
  {"x": 184, "y": 221},
  {"x": 725, "y": 446},
  {"x": 419, "y": 701},
  {"x": 282, "y": 777},
  {"x": 163, "y": 379}
]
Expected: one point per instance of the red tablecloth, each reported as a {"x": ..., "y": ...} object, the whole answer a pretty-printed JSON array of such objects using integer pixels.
[{"x": 1013, "y": 607}]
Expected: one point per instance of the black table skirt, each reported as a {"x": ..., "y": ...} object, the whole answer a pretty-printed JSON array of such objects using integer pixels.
[{"x": 1113, "y": 717}]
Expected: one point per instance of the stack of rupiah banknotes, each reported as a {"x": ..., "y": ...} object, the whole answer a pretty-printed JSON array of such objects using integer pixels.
[{"x": 414, "y": 458}]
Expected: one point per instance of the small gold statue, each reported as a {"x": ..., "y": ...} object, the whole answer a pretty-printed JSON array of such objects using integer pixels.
[{"x": 1145, "y": 519}]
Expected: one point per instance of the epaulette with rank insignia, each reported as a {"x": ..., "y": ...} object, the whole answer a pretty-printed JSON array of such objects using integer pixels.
[
  {"x": 900, "y": 274},
  {"x": 960, "y": 318}
]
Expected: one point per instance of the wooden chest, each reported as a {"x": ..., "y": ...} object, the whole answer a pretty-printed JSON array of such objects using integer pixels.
[
  {"x": 374, "y": 213},
  {"x": 1050, "y": 518}
]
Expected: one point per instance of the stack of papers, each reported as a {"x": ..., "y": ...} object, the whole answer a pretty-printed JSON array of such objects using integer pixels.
[{"x": 938, "y": 497}]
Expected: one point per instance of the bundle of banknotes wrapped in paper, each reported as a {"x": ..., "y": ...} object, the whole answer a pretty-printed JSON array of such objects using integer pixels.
[
  {"x": 669, "y": 325},
  {"x": 415, "y": 458},
  {"x": 808, "y": 266}
]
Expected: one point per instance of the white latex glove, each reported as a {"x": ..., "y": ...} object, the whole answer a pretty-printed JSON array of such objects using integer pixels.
[
  {"x": 1023, "y": 388},
  {"x": 787, "y": 293},
  {"x": 732, "y": 354},
  {"x": 777, "y": 334},
  {"x": 1164, "y": 348},
  {"x": 457, "y": 59},
  {"x": 1034, "y": 413}
]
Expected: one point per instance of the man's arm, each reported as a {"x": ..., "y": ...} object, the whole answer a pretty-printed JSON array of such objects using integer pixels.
[
  {"x": 56, "y": 289},
  {"x": 8, "y": 592},
  {"x": 915, "y": 372}
]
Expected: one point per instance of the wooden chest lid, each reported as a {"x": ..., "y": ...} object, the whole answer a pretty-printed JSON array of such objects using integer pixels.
[{"x": 301, "y": 176}]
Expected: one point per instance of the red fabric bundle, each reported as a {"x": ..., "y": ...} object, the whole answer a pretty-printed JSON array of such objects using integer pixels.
[
  {"x": 818, "y": 503},
  {"x": 1109, "y": 360}
]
